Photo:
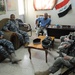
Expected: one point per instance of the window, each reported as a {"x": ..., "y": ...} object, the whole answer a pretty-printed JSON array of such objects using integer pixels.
[
  {"x": 44, "y": 4},
  {"x": 21, "y": 7}
]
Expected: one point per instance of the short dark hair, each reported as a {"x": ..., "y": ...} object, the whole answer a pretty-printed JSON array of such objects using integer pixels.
[{"x": 11, "y": 15}]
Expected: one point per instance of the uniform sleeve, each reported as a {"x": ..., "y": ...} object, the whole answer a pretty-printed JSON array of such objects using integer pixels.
[
  {"x": 72, "y": 60},
  {"x": 1, "y": 33},
  {"x": 6, "y": 26},
  {"x": 19, "y": 22}
]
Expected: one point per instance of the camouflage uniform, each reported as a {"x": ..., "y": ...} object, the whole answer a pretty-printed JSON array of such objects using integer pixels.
[
  {"x": 7, "y": 44},
  {"x": 13, "y": 25},
  {"x": 70, "y": 36},
  {"x": 67, "y": 59},
  {"x": 61, "y": 61}
]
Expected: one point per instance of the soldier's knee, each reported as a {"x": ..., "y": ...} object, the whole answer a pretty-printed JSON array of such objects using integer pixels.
[
  {"x": 9, "y": 43},
  {"x": 1, "y": 47},
  {"x": 20, "y": 35},
  {"x": 59, "y": 59},
  {"x": 4, "y": 40},
  {"x": 11, "y": 47}
]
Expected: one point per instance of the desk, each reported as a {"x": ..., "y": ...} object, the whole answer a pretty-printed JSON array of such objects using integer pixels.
[
  {"x": 39, "y": 47},
  {"x": 57, "y": 32}
]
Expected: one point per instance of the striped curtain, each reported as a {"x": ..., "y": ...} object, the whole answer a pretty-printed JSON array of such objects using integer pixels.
[{"x": 44, "y": 4}]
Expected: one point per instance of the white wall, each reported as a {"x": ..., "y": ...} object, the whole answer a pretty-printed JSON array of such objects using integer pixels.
[
  {"x": 30, "y": 14},
  {"x": 7, "y": 15}
]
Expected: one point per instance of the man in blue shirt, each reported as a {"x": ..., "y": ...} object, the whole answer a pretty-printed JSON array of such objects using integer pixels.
[{"x": 42, "y": 23}]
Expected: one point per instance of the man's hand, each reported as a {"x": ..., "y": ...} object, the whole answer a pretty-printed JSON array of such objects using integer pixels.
[
  {"x": 66, "y": 39},
  {"x": 1, "y": 36},
  {"x": 46, "y": 26},
  {"x": 7, "y": 30},
  {"x": 67, "y": 57}
]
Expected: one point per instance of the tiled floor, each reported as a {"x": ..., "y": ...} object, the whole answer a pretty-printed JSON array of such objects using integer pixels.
[{"x": 27, "y": 66}]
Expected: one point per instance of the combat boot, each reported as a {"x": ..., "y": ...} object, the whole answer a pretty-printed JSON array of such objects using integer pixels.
[
  {"x": 14, "y": 60},
  {"x": 43, "y": 73}
]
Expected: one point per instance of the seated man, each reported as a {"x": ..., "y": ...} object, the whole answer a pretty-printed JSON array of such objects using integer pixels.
[
  {"x": 64, "y": 46},
  {"x": 43, "y": 23},
  {"x": 13, "y": 25},
  {"x": 68, "y": 60},
  {"x": 9, "y": 52}
]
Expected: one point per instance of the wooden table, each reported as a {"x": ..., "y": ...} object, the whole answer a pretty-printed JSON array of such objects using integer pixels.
[{"x": 39, "y": 47}]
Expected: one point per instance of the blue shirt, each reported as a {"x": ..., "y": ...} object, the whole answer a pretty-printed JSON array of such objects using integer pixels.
[{"x": 44, "y": 22}]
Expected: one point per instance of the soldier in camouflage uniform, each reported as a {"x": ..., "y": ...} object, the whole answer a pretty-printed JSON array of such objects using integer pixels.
[
  {"x": 68, "y": 60},
  {"x": 13, "y": 25},
  {"x": 71, "y": 36},
  {"x": 9, "y": 52}
]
